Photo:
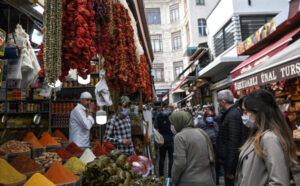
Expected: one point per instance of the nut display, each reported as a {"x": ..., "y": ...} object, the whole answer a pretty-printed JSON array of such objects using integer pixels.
[{"x": 47, "y": 159}]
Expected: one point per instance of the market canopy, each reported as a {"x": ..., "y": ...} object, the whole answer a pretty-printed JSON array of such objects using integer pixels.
[
  {"x": 264, "y": 54},
  {"x": 282, "y": 66}
]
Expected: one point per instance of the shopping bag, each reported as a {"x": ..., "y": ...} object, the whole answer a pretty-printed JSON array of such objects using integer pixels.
[
  {"x": 159, "y": 139},
  {"x": 102, "y": 92}
]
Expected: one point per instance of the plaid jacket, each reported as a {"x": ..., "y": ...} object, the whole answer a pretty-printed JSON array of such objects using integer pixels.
[{"x": 119, "y": 128}]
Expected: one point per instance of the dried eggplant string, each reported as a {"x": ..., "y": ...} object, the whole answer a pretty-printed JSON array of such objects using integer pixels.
[{"x": 52, "y": 41}]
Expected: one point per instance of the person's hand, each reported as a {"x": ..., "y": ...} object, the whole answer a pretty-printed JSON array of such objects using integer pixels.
[
  {"x": 92, "y": 107},
  {"x": 230, "y": 176},
  {"x": 126, "y": 142}
]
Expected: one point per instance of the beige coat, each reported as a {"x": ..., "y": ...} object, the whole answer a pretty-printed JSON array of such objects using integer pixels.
[
  {"x": 191, "y": 160},
  {"x": 273, "y": 169}
]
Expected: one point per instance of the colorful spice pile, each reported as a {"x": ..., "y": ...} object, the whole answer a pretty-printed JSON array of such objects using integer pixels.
[
  {"x": 99, "y": 150},
  {"x": 65, "y": 155},
  {"x": 75, "y": 165},
  {"x": 58, "y": 174},
  {"x": 87, "y": 156},
  {"x": 14, "y": 146},
  {"x": 9, "y": 174},
  {"x": 47, "y": 159},
  {"x": 25, "y": 164},
  {"x": 30, "y": 137},
  {"x": 58, "y": 133},
  {"x": 39, "y": 179},
  {"x": 74, "y": 149},
  {"x": 48, "y": 140}
]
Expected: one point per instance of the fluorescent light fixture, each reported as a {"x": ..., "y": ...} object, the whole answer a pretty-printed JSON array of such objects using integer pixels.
[
  {"x": 56, "y": 85},
  {"x": 101, "y": 117},
  {"x": 84, "y": 81},
  {"x": 38, "y": 8},
  {"x": 36, "y": 37}
]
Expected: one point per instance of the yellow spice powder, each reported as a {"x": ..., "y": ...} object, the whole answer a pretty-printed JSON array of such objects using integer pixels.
[
  {"x": 8, "y": 174},
  {"x": 38, "y": 179}
]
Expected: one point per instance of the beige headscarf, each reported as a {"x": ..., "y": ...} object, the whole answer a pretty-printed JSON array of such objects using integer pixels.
[{"x": 181, "y": 120}]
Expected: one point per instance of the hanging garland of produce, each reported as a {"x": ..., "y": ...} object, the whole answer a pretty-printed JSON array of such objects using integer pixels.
[
  {"x": 79, "y": 31},
  {"x": 51, "y": 48},
  {"x": 144, "y": 80},
  {"x": 121, "y": 62}
]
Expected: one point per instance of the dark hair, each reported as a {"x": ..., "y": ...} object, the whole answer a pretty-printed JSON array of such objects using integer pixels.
[{"x": 269, "y": 117}]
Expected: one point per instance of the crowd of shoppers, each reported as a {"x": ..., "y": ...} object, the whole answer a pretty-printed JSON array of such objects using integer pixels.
[{"x": 249, "y": 139}]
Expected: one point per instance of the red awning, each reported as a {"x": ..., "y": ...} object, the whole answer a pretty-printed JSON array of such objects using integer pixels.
[
  {"x": 171, "y": 91},
  {"x": 264, "y": 54}
]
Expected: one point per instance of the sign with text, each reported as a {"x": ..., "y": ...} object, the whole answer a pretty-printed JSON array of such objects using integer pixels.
[
  {"x": 259, "y": 35},
  {"x": 285, "y": 71}
]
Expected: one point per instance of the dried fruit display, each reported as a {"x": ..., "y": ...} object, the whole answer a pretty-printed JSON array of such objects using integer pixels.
[{"x": 79, "y": 31}]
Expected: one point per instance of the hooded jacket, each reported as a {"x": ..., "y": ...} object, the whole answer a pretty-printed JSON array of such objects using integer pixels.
[{"x": 164, "y": 125}]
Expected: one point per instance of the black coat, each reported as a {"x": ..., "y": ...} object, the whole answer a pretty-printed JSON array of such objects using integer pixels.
[
  {"x": 232, "y": 135},
  {"x": 164, "y": 126}
]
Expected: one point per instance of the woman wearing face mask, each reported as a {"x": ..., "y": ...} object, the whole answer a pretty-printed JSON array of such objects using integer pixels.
[
  {"x": 210, "y": 127},
  {"x": 193, "y": 161},
  {"x": 267, "y": 155}
]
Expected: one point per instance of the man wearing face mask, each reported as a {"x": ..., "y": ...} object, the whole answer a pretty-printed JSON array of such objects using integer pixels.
[
  {"x": 164, "y": 128},
  {"x": 118, "y": 128},
  {"x": 231, "y": 135}
]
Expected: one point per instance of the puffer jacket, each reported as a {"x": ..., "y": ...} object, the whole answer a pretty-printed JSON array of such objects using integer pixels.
[{"x": 232, "y": 135}]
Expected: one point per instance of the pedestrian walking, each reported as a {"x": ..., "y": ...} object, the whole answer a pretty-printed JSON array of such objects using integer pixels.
[
  {"x": 230, "y": 137},
  {"x": 266, "y": 156},
  {"x": 193, "y": 153},
  {"x": 210, "y": 127},
  {"x": 164, "y": 128}
]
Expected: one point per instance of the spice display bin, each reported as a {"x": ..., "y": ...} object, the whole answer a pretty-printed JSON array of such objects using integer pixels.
[
  {"x": 64, "y": 144},
  {"x": 77, "y": 183},
  {"x": 29, "y": 174},
  {"x": 52, "y": 148},
  {"x": 11, "y": 156},
  {"x": 19, "y": 183},
  {"x": 4, "y": 157},
  {"x": 37, "y": 152}
]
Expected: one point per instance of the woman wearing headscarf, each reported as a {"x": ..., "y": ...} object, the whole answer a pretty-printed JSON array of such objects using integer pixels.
[
  {"x": 269, "y": 152},
  {"x": 193, "y": 161}
]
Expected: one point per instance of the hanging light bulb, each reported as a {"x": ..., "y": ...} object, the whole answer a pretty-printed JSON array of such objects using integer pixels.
[
  {"x": 101, "y": 117},
  {"x": 84, "y": 81}
]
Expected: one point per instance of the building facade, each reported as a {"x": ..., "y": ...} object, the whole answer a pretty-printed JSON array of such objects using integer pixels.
[
  {"x": 175, "y": 26},
  {"x": 229, "y": 23}
]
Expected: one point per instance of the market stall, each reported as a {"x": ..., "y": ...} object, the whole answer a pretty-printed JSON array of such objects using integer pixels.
[{"x": 97, "y": 46}]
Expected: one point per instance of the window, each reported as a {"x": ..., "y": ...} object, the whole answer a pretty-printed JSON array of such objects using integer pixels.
[
  {"x": 174, "y": 12},
  {"x": 153, "y": 15},
  {"x": 202, "y": 27},
  {"x": 156, "y": 42},
  {"x": 250, "y": 24},
  {"x": 200, "y": 2},
  {"x": 178, "y": 68},
  {"x": 158, "y": 72},
  {"x": 176, "y": 40},
  {"x": 187, "y": 30},
  {"x": 224, "y": 39}
]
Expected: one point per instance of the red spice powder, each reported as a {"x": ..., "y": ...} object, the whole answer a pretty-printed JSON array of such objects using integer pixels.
[
  {"x": 100, "y": 150},
  {"x": 65, "y": 155},
  {"x": 58, "y": 133},
  {"x": 58, "y": 174},
  {"x": 48, "y": 140},
  {"x": 74, "y": 149}
]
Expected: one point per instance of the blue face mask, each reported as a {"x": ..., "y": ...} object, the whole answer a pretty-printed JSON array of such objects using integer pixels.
[
  {"x": 209, "y": 119},
  {"x": 125, "y": 112}
]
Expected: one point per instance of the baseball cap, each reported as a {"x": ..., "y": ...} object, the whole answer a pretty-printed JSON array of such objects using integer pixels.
[{"x": 86, "y": 95}]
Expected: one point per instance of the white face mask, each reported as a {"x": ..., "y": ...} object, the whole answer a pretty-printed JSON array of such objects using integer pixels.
[{"x": 248, "y": 122}]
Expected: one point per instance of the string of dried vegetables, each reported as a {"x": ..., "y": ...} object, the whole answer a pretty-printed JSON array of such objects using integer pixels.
[
  {"x": 79, "y": 31},
  {"x": 52, "y": 40}
]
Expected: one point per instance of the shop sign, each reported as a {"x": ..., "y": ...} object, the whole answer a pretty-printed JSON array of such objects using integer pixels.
[
  {"x": 2, "y": 41},
  {"x": 282, "y": 72},
  {"x": 259, "y": 35}
]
